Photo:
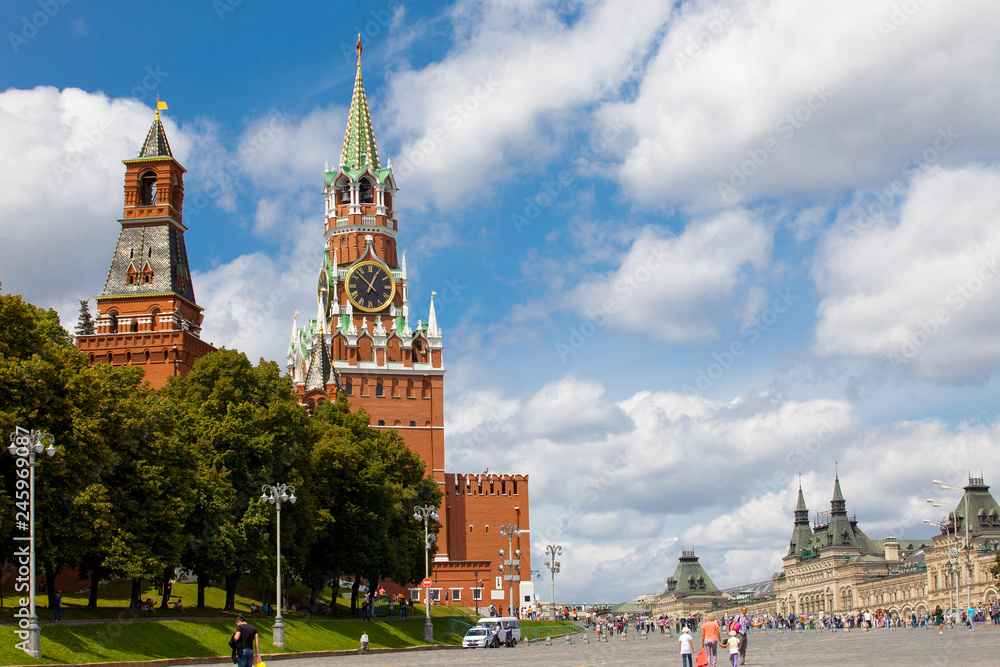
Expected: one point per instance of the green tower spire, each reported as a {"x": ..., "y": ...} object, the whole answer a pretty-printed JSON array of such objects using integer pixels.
[{"x": 359, "y": 140}]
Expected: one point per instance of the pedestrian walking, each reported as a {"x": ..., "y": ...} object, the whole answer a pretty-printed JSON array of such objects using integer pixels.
[
  {"x": 742, "y": 625},
  {"x": 57, "y": 607},
  {"x": 734, "y": 648},
  {"x": 710, "y": 639},
  {"x": 247, "y": 643},
  {"x": 363, "y": 644},
  {"x": 686, "y": 649}
]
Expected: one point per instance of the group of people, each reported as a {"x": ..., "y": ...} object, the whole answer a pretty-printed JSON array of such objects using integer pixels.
[
  {"x": 731, "y": 634},
  {"x": 392, "y": 602}
]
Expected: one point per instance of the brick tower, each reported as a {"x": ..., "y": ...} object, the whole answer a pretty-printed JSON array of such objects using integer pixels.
[
  {"x": 147, "y": 315},
  {"x": 364, "y": 341}
]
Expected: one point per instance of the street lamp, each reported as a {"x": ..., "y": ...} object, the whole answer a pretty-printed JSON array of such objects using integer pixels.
[
  {"x": 25, "y": 445},
  {"x": 947, "y": 531},
  {"x": 428, "y": 513},
  {"x": 968, "y": 545},
  {"x": 553, "y": 550},
  {"x": 276, "y": 495},
  {"x": 479, "y": 589},
  {"x": 510, "y": 532}
]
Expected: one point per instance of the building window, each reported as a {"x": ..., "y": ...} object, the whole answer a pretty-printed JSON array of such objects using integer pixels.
[
  {"x": 415, "y": 594},
  {"x": 378, "y": 388},
  {"x": 477, "y": 594},
  {"x": 435, "y": 594},
  {"x": 381, "y": 422},
  {"x": 456, "y": 594},
  {"x": 487, "y": 529},
  {"x": 470, "y": 527},
  {"x": 366, "y": 192},
  {"x": 147, "y": 187},
  {"x": 349, "y": 388},
  {"x": 413, "y": 422}
]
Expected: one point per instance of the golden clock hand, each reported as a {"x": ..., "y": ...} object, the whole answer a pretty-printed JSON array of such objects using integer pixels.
[{"x": 370, "y": 286}]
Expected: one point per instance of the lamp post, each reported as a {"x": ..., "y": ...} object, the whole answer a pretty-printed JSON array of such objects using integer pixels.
[
  {"x": 25, "y": 445},
  {"x": 428, "y": 513},
  {"x": 553, "y": 550},
  {"x": 947, "y": 531},
  {"x": 968, "y": 546},
  {"x": 510, "y": 532},
  {"x": 276, "y": 495},
  {"x": 479, "y": 589}
]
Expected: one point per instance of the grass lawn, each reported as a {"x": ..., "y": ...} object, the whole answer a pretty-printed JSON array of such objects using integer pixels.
[{"x": 109, "y": 642}]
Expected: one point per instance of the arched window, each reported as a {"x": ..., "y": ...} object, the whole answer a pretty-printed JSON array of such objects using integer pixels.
[
  {"x": 378, "y": 388},
  {"x": 345, "y": 193},
  {"x": 147, "y": 189},
  {"x": 154, "y": 323},
  {"x": 113, "y": 325},
  {"x": 134, "y": 325},
  {"x": 366, "y": 191},
  {"x": 381, "y": 422},
  {"x": 348, "y": 388}
]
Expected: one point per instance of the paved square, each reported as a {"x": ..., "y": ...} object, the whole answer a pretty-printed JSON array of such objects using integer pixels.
[{"x": 909, "y": 648}]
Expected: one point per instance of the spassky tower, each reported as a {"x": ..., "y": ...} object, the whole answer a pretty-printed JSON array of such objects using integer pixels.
[{"x": 366, "y": 341}]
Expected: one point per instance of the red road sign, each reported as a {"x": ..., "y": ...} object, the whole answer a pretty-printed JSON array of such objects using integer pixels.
[{"x": 426, "y": 583}]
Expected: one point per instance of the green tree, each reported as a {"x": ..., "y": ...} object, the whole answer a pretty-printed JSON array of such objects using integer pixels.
[
  {"x": 245, "y": 426},
  {"x": 369, "y": 481},
  {"x": 85, "y": 323}
]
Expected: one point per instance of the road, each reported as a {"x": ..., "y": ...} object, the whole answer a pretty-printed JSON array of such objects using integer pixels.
[{"x": 910, "y": 648}]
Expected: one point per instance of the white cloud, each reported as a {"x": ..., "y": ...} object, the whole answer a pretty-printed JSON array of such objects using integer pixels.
[
  {"x": 679, "y": 289},
  {"x": 60, "y": 162},
  {"x": 786, "y": 98},
  {"x": 503, "y": 94},
  {"x": 717, "y": 477},
  {"x": 917, "y": 287}
]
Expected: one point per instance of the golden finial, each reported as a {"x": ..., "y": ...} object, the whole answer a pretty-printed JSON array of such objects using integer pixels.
[{"x": 358, "y": 48}]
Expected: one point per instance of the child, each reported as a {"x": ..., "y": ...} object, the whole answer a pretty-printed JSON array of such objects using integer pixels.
[
  {"x": 363, "y": 648},
  {"x": 685, "y": 642},
  {"x": 734, "y": 647}
]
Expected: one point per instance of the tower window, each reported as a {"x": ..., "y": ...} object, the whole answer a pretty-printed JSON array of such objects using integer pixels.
[
  {"x": 113, "y": 325},
  {"x": 378, "y": 388},
  {"x": 147, "y": 189},
  {"x": 349, "y": 388},
  {"x": 413, "y": 422},
  {"x": 366, "y": 192}
]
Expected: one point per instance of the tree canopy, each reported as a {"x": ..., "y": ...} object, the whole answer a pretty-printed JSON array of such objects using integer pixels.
[{"x": 147, "y": 481}]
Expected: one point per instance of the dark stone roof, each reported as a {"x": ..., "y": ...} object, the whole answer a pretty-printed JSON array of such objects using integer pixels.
[
  {"x": 156, "y": 144},
  {"x": 161, "y": 248}
]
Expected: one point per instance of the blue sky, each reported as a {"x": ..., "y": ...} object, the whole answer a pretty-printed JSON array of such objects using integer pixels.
[{"x": 682, "y": 253}]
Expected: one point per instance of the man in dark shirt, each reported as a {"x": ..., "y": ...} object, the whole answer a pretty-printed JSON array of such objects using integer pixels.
[{"x": 248, "y": 645}]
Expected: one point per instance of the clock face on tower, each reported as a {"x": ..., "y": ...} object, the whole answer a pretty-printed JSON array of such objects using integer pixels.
[{"x": 370, "y": 286}]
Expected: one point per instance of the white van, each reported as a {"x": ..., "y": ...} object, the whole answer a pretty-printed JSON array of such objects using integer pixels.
[{"x": 504, "y": 623}]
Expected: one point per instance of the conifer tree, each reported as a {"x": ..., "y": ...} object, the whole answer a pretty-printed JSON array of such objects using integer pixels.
[{"x": 84, "y": 325}]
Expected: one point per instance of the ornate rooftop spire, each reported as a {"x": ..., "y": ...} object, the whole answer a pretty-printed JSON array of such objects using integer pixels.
[
  {"x": 156, "y": 144},
  {"x": 837, "y": 494},
  {"x": 801, "y": 506},
  {"x": 359, "y": 140}
]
